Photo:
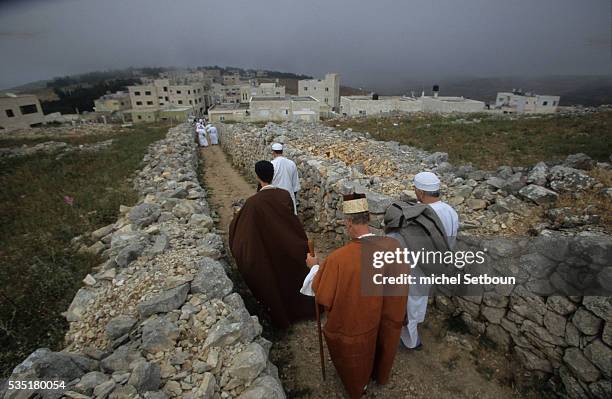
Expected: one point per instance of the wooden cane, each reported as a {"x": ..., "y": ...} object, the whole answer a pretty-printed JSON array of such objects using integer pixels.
[{"x": 311, "y": 250}]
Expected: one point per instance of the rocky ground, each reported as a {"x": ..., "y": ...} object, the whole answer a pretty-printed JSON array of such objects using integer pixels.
[
  {"x": 452, "y": 364},
  {"x": 49, "y": 147},
  {"x": 158, "y": 319}
]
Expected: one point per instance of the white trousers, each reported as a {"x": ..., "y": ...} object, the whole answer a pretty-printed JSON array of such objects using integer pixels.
[
  {"x": 416, "y": 310},
  {"x": 214, "y": 140}
]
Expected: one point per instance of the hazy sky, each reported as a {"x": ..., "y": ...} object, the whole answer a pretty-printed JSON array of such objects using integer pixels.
[{"x": 371, "y": 43}]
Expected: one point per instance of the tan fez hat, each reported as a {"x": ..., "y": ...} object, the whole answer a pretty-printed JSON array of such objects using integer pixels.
[{"x": 354, "y": 203}]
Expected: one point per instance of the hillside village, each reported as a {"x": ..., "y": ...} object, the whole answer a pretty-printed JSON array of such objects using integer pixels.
[{"x": 176, "y": 95}]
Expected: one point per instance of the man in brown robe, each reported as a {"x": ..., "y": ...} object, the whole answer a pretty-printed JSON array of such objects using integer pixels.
[
  {"x": 269, "y": 245},
  {"x": 362, "y": 330}
]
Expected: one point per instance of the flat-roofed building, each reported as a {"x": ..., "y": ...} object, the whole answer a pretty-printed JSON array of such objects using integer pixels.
[
  {"x": 286, "y": 108},
  {"x": 162, "y": 95},
  {"x": 520, "y": 103},
  {"x": 231, "y": 79},
  {"x": 326, "y": 91},
  {"x": 445, "y": 105},
  {"x": 261, "y": 90},
  {"x": 374, "y": 104},
  {"x": 229, "y": 113},
  {"x": 20, "y": 112}
]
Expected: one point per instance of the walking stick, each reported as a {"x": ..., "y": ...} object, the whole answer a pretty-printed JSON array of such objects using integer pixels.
[{"x": 318, "y": 316}]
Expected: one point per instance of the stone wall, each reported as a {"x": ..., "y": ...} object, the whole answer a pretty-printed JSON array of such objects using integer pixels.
[
  {"x": 569, "y": 337},
  {"x": 159, "y": 318}
]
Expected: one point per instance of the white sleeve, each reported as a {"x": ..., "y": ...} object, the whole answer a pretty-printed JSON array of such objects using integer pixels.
[{"x": 307, "y": 286}]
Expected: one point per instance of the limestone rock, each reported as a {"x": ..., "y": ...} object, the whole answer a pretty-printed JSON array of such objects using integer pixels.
[
  {"x": 600, "y": 355},
  {"x": 80, "y": 304},
  {"x": 211, "y": 280},
  {"x": 580, "y": 365},
  {"x": 587, "y": 322},
  {"x": 146, "y": 377},
  {"x": 89, "y": 381},
  {"x": 206, "y": 390},
  {"x": 119, "y": 326},
  {"x": 164, "y": 302},
  {"x": 120, "y": 359},
  {"x": 143, "y": 215},
  {"x": 159, "y": 335},
  {"x": 538, "y": 194}
]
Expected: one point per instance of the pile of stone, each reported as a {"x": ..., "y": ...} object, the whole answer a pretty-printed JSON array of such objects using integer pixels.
[
  {"x": 158, "y": 319},
  {"x": 568, "y": 336},
  {"x": 507, "y": 201},
  {"x": 49, "y": 147}
]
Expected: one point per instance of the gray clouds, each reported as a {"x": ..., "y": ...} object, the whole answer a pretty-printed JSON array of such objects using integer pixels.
[{"x": 372, "y": 44}]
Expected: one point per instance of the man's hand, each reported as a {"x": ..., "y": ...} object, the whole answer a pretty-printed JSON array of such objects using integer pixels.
[{"x": 311, "y": 261}]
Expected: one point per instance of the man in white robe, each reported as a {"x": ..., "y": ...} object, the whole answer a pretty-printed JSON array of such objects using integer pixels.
[
  {"x": 201, "y": 135},
  {"x": 212, "y": 134},
  {"x": 285, "y": 173},
  {"x": 427, "y": 190}
]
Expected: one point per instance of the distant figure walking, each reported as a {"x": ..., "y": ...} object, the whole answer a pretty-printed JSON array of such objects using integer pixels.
[
  {"x": 201, "y": 130},
  {"x": 212, "y": 133}
]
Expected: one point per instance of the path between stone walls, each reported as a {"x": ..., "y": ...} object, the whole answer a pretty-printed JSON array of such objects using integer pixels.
[{"x": 451, "y": 365}]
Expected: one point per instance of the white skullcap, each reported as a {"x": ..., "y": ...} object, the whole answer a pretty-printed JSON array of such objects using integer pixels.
[
  {"x": 277, "y": 147},
  {"x": 427, "y": 181}
]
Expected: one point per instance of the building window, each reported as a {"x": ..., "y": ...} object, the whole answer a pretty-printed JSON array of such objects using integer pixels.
[
  {"x": 28, "y": 109},
  {"x": 188, "y": 91},
  {"x": 326, "y": 100},
  {"x": 166, "y": 98},
  {"x": 545, "y": 103},
  {"x": 136, "y": 93},
  {"x": 147, "y": 93},
  {"x": 10, "y": 113},
  {"x": 165, "y": 88},
  {"x": 286, "y": 112},
  {"x": 139, "y": 116},
  {"x": 149, "y": 102},
  {"x": 190, "y": 102},
  {"x": 138, "y": 102},
  {"x": 178, "y": 92},
  {"x": 221, "y": 118},
  {"x": 554, "y": 103},
  {"x": 327, "y": 89},
  {"x": 161, "y": 103},
  {"x": 180, "y": 101}
]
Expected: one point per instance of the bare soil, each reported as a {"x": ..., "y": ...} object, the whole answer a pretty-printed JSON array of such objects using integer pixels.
[{"x": 450, "y": 365}]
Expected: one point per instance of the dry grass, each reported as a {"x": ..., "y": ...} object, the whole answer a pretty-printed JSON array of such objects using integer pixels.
[
  {"x": 489, "y": 141},
  {"x": 39, "y": 271}
]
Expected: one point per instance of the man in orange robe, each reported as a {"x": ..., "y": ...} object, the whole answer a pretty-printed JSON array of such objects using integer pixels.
[{"x": 363, "y": 328}]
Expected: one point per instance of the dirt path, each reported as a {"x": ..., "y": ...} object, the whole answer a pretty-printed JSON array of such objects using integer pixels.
[{"x": 451, "y": 364}]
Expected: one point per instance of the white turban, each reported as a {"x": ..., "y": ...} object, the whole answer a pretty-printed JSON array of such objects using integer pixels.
[
  {"x": 277, "y": 147},
  {"x": 427, "y": 181}
]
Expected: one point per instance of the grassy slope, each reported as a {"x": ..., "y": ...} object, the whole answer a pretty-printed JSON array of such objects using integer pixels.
[
  {"x": 39, "y": 273},
  {"x": 495, "y": 141}
]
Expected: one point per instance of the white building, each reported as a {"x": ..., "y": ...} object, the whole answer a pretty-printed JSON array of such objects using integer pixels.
[
  {"x": 20, "y": 112},
  {"x": 264, "y": 109},
  {"x": 160, "y": 96},
  {"x": 374, "y": 104},
  {"x": 326, "y": 91},
  {"x": 261, "y": 90},
  {"x": 520, "y": 103}
]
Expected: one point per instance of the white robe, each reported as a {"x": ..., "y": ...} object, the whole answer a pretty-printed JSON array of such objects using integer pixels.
[
  {"x": 212, "y": 133},
  {"x": 286, "y": 177},
  {"x": 419, "y": 293},
  {"x": 202, "y": 136}
]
